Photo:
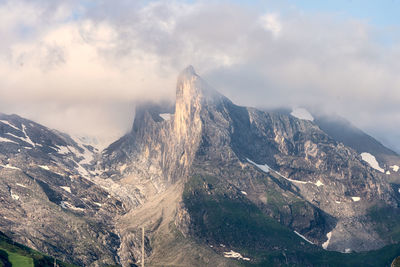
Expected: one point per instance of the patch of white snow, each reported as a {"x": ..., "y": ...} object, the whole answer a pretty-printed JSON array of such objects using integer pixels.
[
  {"x": 27, "y": 139},
  {"x": 8, "y": 166},
  {"x": 235, "y": 255},
  {"x": 388, "y": 172},
  {"x": 97, "y": 204},
  {"x": 21, "y": 185},
  {"x": 395, "y": 168},
  {"x": 14, "y": 196},
  {"x": 67, "y": 205},
  {"x": 44, "y": 167},
  {"x": 302, "y": 236},
  {"x": 371, "y": 160},
  {"x": 326, "y": 243},
  {"x": 2, "y": 139},
  {"x": 9, "y": 124},
  {"x": 302, "y": 113},
  {"x": 264, "y": 168},
  {"x": 66, "y": 188},
  {"x": 244, "y": 193},
  {"x": 319, "y": 183},
  {"x": 165, "y": 116},
  {"x": 355, "y": 199}
]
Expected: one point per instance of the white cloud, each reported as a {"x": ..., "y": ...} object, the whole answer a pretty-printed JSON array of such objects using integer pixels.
[
  {"x": 75, "y": 59},
  {"x": 271, "y": 22}
]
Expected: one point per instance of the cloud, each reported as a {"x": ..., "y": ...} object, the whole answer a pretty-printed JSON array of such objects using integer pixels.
[
  {"x": 271, "y": 22},
  {"x": 89, "y": 62}
]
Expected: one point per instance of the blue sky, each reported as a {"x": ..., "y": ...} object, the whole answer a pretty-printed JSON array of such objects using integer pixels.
[{"x": 380, "y": 13}]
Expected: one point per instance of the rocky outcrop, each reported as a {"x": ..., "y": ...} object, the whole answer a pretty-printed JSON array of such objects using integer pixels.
[
  {"x": 288, "y": 167},
  {"x": 214, "y": 182},
  {"x": 48, "y": 201}
]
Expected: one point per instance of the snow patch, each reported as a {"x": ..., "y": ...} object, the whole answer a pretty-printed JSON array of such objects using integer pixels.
[
  {"x": 337, "y": 202},
  {"x": 388, "y": 172},
  {"x": 97, "y": 204},
  {"x": 264, "y": 168},
  {"x": 66, "y": 188},
  {"x": 85, "y": 157},
  {"x": 355, "y": 199},
  {"x": 235, "y": 255},
  {"x": 371, "y": 160},
  {"x": 9, "y": 124},
  {"x": 14, "y": 196},
  {"x": 244, "y": 193},
  {"x": 44, "y": 167},
  {"x": 99, "y": 143},
  {"x": 326, "y": 243},
  {"x": 347, "y": 250},
  {"x": 27, "y": 139},
  {"x": 8, "y": 166},
  {"x": 67, "y": 205},
  {"x": 395, "y": 168},
  {"x": 302, "y": 236},
  {"x": 166, "y": 116},
  {"x": 2, "y": 139},
  {"x": 21, "y": 185},
  {"x": 302, "y": 113}
]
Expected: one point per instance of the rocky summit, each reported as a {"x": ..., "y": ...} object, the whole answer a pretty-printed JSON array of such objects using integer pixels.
[{"x": 212, "y": 183}]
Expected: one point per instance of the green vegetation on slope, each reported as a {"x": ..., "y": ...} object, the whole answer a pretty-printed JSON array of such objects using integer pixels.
[
  {"x": 220, "y": 215},
  {"x": 18, "y": 260},
  {"x": 387, "y": 221},
  {"x": 14, "y": 254}
]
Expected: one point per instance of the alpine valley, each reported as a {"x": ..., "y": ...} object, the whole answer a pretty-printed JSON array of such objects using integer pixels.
[{"x": 212, "y": 184}]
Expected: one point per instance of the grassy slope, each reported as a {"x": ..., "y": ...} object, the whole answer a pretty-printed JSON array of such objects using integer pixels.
[
  {"x": 14, "y": 254},
  {"x": 387, "y": 221},
  {"x": 224, "y": 218},
  {"x": 18, "y": 260}
]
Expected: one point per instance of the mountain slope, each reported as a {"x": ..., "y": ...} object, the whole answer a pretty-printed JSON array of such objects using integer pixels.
[
  {"x": 343, "y": 131},
  {"x": 212, "y": 184},
  {"x": 47, "y": 200},
  {"x": 278, "y": 166},
  {"x": 14, "y": 254}
]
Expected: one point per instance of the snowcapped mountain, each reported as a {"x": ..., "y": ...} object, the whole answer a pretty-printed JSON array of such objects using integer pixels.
[{"x": 215, "y": 183}]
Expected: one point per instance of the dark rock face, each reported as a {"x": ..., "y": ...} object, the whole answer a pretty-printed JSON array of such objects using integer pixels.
[{"x": 194, "y": 176}]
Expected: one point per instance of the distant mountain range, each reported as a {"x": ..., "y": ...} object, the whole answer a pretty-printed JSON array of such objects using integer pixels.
[{"x": 212, "y": 183}]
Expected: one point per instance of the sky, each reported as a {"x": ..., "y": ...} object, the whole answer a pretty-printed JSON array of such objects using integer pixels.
[{"x": 80, "y": 66}]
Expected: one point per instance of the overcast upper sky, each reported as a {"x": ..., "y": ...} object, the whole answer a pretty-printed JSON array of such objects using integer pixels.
[{"x": 79, "y": 66}]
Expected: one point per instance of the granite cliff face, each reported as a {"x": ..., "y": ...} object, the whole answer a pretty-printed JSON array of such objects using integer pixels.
[{"x": 215, "y": 183}]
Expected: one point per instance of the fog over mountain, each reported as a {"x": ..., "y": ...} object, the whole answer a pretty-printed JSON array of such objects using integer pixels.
[{"x": 80, "y": 66}]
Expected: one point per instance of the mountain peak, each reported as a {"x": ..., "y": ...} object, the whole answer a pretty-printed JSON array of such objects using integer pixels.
[{"x": 188, "y": 71}]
